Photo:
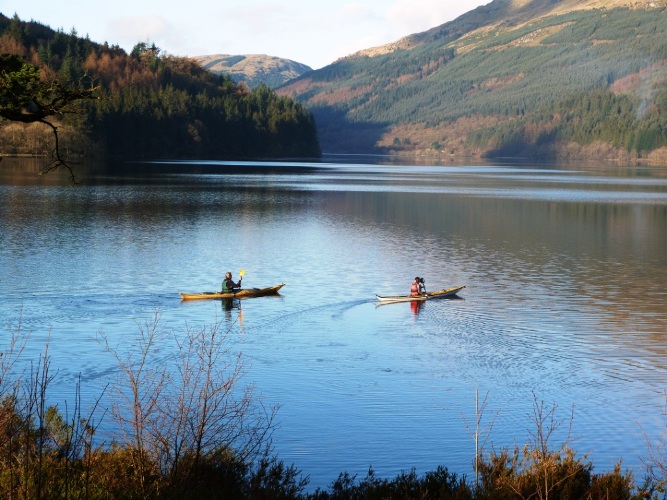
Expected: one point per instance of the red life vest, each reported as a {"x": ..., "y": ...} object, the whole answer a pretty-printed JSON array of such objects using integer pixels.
[{"x": 414, "y": 289}]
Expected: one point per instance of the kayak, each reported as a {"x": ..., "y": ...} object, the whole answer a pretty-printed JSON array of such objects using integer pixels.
[
  {"x": 401, "y": 298},
  {"x": 445, "y": 292},
  {"x": 241, "y": 294}
]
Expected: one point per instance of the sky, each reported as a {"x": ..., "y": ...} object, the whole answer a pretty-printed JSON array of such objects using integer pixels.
[{"x": 312, "y": 32}]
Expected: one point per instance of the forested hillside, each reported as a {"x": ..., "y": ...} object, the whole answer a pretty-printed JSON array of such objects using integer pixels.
[
  {"x": 512, "y": 78},
  {"x": 149, "y": 105}
]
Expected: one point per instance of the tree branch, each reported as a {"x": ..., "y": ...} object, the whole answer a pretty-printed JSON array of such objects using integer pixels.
[{"x": 26, "y": 98}]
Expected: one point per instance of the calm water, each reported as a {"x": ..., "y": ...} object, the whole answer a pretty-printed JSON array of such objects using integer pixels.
[{"x": 565, "y": 300}]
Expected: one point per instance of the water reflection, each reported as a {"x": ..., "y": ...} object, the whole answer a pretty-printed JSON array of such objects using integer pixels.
[
  {"x": 230, "y": 304},
  {"x": 416, "y": 306},
  {"x": 233, "y": 311}
]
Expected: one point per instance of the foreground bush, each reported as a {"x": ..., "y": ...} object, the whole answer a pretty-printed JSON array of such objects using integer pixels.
[{"x": 439, "y": 484}]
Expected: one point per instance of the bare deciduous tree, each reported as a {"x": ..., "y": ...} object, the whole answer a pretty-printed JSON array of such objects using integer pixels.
[
  {"x": 479, "y": 434},
  {"x": 42, "y": 452},
  {"x": 136, "y": 403},
  {"x": 656, "y": 461},
  {"x": 537, "y": 470},
  {"x": 193, "y": 411}
]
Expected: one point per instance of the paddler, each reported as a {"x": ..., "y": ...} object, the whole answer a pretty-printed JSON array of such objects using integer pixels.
[
  {"x": 229, "y": 286},
  {"x": 414, "y": 288}
]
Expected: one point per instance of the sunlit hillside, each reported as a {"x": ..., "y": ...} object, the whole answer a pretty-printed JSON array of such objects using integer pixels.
[
  {"x": 538, "y": 78},
  {"x": 253, "y": 69}
]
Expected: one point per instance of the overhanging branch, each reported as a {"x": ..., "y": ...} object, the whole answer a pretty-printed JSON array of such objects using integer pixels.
[{"x": 57, "y": 160}]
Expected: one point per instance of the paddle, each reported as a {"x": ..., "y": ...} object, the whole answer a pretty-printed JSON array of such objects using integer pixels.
[{"x": 241, "y": 273}]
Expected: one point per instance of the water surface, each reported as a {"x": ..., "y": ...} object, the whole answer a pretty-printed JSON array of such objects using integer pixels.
[{"x": 565, "y": 271}]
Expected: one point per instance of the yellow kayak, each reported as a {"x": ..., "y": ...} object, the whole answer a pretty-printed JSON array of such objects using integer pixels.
[{"x": 241, "y": 294}]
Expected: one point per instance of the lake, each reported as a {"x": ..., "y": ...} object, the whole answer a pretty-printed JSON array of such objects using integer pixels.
[{"x": 565, "y": 268}]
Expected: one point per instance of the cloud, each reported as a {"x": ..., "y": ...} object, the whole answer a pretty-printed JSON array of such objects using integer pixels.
[
  {"x": 128, "y": 31},
  {"x": 413, "y": 16},
  {"x": 258, "y": 20},
  {"x": 354, "y": 13},
  {"x": 378, "y": 22},
  {"x": 357, "y": 26}
]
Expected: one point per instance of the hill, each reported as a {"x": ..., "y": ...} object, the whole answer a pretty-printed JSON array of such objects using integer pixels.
[
  {"x": 537, "y": 78},
  {"x": 148, "y": 105},
  {"x": 254, "y": 69}
]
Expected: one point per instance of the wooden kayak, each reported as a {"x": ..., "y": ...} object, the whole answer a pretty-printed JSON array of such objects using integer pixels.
[
  {"x": 401, "y": 298},
  {"x": 241, "y": 294},
  {"x": 445, "y": 292}
]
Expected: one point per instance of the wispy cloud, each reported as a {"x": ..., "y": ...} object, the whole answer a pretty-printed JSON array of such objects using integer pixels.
[
  {"x": 130, "y": 30},
  {"x": 355, "y": 13},
  {"x": 254, "y": 20},
  {"x": 412, "y": 16}
]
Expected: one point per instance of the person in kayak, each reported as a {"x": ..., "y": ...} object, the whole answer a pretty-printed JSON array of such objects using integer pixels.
[
  {"x": 422, "y": 286},
  {"x": 229, "y": 286},
  {"x": 414, "y": 288}
]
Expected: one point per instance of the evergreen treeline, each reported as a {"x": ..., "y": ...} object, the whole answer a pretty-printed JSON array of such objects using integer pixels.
[
  {"x": 581, "y": 65},
  {"x": 154, "y": 105},
  {"x": 621, "y": 121}
]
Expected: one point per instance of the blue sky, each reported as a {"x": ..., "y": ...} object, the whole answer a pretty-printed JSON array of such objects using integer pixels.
[{"x": 312, "y": 32}]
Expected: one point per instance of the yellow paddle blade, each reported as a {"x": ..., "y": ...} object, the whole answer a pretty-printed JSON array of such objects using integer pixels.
[{"x": 242, "y": 273}]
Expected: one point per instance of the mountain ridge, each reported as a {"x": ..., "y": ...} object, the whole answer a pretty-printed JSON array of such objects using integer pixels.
[
  {"x": 254, "y": 69},
  {"x": 504, "y": 11}
]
